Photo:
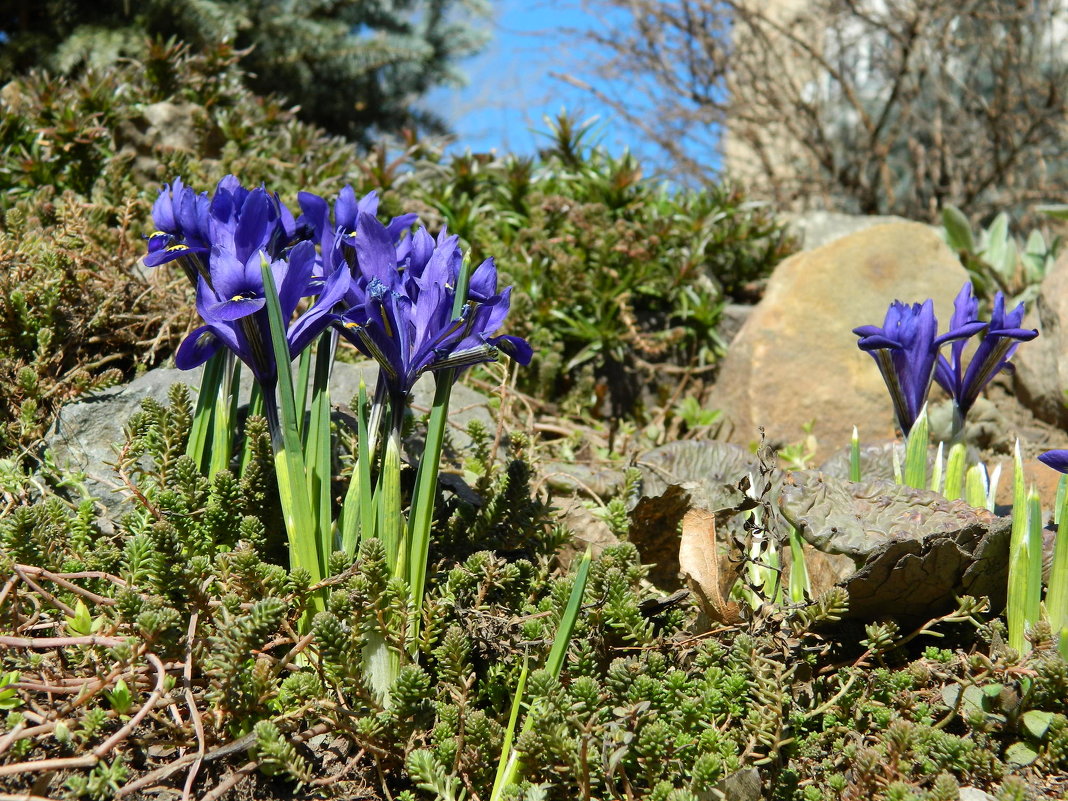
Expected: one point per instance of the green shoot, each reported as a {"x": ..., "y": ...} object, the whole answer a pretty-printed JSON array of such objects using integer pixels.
[
  {"x": 916, "y": 453},
  {"x": 955, "y": 468},
  {"x": 1019, "y": 560},
  {"x": 854, "y": 456},
  {"x": 508, "y": 766}
]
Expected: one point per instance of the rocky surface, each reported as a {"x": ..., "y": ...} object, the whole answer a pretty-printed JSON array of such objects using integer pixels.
[
  {"x": 795, "y": 360},
  {"x": 1041, "y": 377},
  {"x": 815, "y": 229},
  {"x": 87, "y": 434}
]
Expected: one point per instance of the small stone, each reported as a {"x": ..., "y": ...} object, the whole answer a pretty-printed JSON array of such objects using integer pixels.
[{"x": 88, "y": 433}]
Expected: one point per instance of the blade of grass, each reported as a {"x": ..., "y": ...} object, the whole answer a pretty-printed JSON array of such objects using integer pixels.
[
  {"x": 800, "y": 586},
  {"x": 553, "y": 664},
  {"x": 317, "y": 447},
  {"x": 1033, "y": 611},
  {"x": 976, "y": 486},
  {"x": 222, "y": 421},
  {"x": 936, "y": 473},
  {"x": 288, "y": 456},
  {"x": 992, "y": 487},
  {"x": 390, "y": 516},
  {"x": 509, "y": 732},
  {"x": 301, "y": 393},
  {"x": 1057, "y": 594},
  {"x": 366, "y": 451},
  {"x": 199, "y": 446},
  {"x": 1016, "y": 606},
  {"x": 358, "y": 516},
  {"x": 773, "y": 574},
  {"x": 854, "y": 456},
  {"x": 424, "y": 497},
  {"x": 1062, "y": 497}
]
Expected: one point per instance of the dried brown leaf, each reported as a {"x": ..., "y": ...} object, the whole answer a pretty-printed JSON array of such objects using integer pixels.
[{"x": 709, "y": 573}]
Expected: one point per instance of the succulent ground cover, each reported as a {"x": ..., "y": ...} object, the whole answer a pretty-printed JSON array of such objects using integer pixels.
[
  {"x": 163, "y": 648},
  {"x": 186, "y": 647}
]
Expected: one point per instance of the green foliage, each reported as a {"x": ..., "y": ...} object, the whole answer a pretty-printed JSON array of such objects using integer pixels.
[
  {"x": 607, "y": 266},
  {"x": 61, "y": 266},
  {"x": 8, "y": 698},
  {"x": 998, "y": 261},
  {"x": 277, "y": 755},
  {"x": 356, "y": 68}
]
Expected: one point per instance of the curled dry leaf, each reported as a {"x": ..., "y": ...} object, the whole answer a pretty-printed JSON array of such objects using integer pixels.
[{"x": 709, "y": 573}]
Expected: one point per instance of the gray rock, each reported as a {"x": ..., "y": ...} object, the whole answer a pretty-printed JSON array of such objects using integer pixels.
[
  {"x": 172, "y": 126},
  {"x": 857, "y": 519},
  {"x": 1041, "y": 376},
  {"x": 818, "y": 228},
  {"x": 88, "y": 433},
  {"x": 742, "y": 785},
  {"x": 795, "y": 360},
  {"x": 974, "y": 794}
]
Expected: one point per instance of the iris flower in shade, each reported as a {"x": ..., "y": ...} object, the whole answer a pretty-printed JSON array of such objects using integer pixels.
[
  {"x": 181, "y": 217},
  {"x": 1002, "y": 337},
  {"x": 402, "y": 314},
  {"x": 905, "y": 349},
  {"x": 233, "y": 302},
  {"x": 1058, "y": 460}
]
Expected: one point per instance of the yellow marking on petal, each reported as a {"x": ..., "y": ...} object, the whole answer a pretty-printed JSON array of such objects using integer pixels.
[
  {"x": 158, "y": 233},
  {"x": 177, "y": 247},
  {"x": 385, "y": 322},
  {"x": 351, "y": 325},
  {"x": 238, "y": 297}
]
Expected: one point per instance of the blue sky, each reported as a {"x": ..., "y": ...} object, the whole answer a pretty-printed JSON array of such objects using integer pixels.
[{"x": 511, "y": 89}]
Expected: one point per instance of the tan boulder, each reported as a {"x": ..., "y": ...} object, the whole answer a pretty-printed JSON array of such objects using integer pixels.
[
  {"x": 795, "y": 360},
  {"x": 1041, "y": 376}
]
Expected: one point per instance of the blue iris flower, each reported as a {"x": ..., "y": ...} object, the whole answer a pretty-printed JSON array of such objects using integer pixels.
[
  {"x": 181, "y": 218},
  {"x": 1003, "y": 335},
  {"x": 253, "y": 226},
  {"x": 391, "y": 295},
  {"x": 337, "y": 230},
  {"x": 400, "y": 309},
  {"x": 906, "y": 349},
  {"x": 1057, "y": 459},
  {"x": 189, "y": 225}
]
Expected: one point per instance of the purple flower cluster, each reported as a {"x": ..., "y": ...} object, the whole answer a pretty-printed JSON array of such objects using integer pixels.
[
  {"x": 907, "y": 350},
  {"x": 392, "y": 295}
]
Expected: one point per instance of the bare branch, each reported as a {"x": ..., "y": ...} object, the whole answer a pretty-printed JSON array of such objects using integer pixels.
[{"x": 875, "y": 106}]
